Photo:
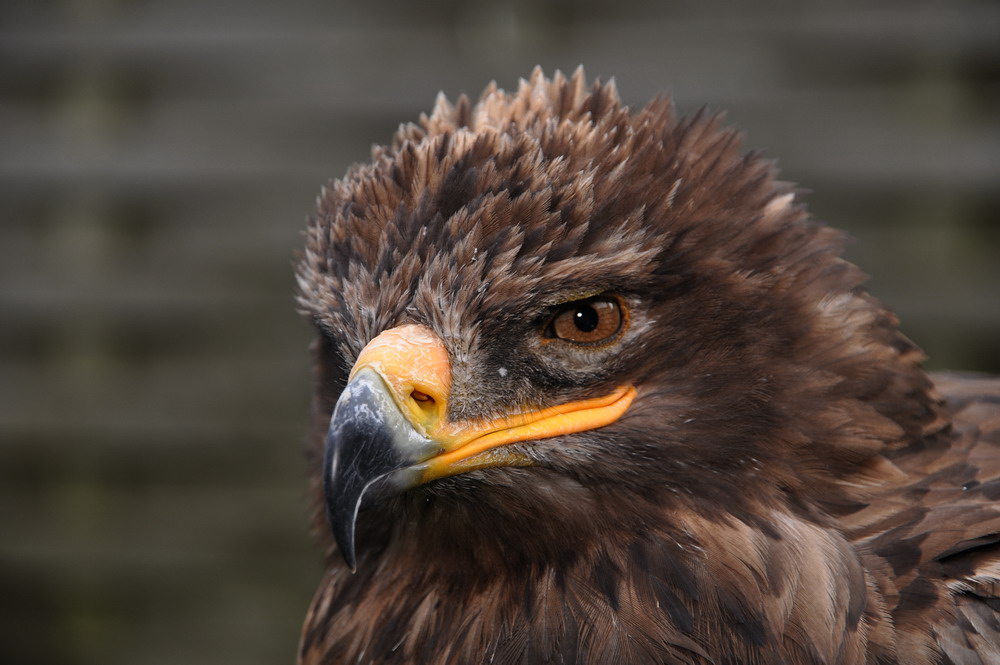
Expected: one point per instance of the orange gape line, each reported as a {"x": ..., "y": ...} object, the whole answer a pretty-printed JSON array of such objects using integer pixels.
[
  {"x": 465, "y": 439},
  {"x": 472, "y": 445}
]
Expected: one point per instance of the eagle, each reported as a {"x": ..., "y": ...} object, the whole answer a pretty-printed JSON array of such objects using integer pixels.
[{"x": 593, "y": 387}]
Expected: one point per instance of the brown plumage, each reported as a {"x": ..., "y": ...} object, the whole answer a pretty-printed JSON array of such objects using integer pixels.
[{"x": 787, "y": 486}]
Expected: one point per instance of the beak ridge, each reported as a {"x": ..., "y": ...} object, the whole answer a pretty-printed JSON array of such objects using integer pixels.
[{"x": 368, "y": 440}]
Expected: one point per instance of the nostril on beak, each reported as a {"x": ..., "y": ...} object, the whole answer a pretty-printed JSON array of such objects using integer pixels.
[{"x": 424, "y": 402}]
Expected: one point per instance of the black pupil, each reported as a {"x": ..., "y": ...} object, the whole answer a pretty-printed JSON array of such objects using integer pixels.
[{"x": 585, "y": 319}]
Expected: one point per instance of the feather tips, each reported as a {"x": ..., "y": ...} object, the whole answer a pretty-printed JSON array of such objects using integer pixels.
[{"x": 789, "y": 485}]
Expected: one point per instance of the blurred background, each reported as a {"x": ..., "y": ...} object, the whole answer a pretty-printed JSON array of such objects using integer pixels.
[{"x": 158, "y": 159}]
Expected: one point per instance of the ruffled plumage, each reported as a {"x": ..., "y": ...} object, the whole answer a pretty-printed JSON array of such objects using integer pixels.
[{"x": 788, "y": 487}]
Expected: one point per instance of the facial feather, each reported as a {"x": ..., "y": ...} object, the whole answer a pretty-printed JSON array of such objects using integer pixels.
[{"x": 754, "y": 502}]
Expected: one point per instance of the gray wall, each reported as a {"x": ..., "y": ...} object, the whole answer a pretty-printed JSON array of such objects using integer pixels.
[{"x": 158, "y": 158}]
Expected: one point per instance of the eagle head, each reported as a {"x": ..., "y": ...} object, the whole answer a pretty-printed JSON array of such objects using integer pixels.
[{"x": 547, "y": 322}]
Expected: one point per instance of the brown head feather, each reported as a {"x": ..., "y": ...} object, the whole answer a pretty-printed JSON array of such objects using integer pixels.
[{"x": 778, "y": 402}]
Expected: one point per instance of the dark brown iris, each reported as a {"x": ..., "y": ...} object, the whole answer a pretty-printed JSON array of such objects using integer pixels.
[{"x": 589, "y": 321}]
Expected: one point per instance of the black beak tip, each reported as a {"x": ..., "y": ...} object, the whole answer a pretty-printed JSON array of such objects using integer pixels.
[
  {"x": 342, "y": 511},
  {"x": 347, "y": 552},
  {"x": 343, "y": 533}
]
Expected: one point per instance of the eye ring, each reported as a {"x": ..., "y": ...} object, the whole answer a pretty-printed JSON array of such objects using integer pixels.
[{"x": 594, "y": 321}]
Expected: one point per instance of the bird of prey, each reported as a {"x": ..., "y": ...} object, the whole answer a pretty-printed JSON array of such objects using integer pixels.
[{"x": 593, "y": 387}]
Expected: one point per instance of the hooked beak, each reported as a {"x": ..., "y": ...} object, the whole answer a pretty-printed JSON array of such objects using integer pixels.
[{"x": 390, "y": 429}]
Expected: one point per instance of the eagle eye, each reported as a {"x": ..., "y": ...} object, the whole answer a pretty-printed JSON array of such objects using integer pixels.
[{"x": 591, "y": 321}]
